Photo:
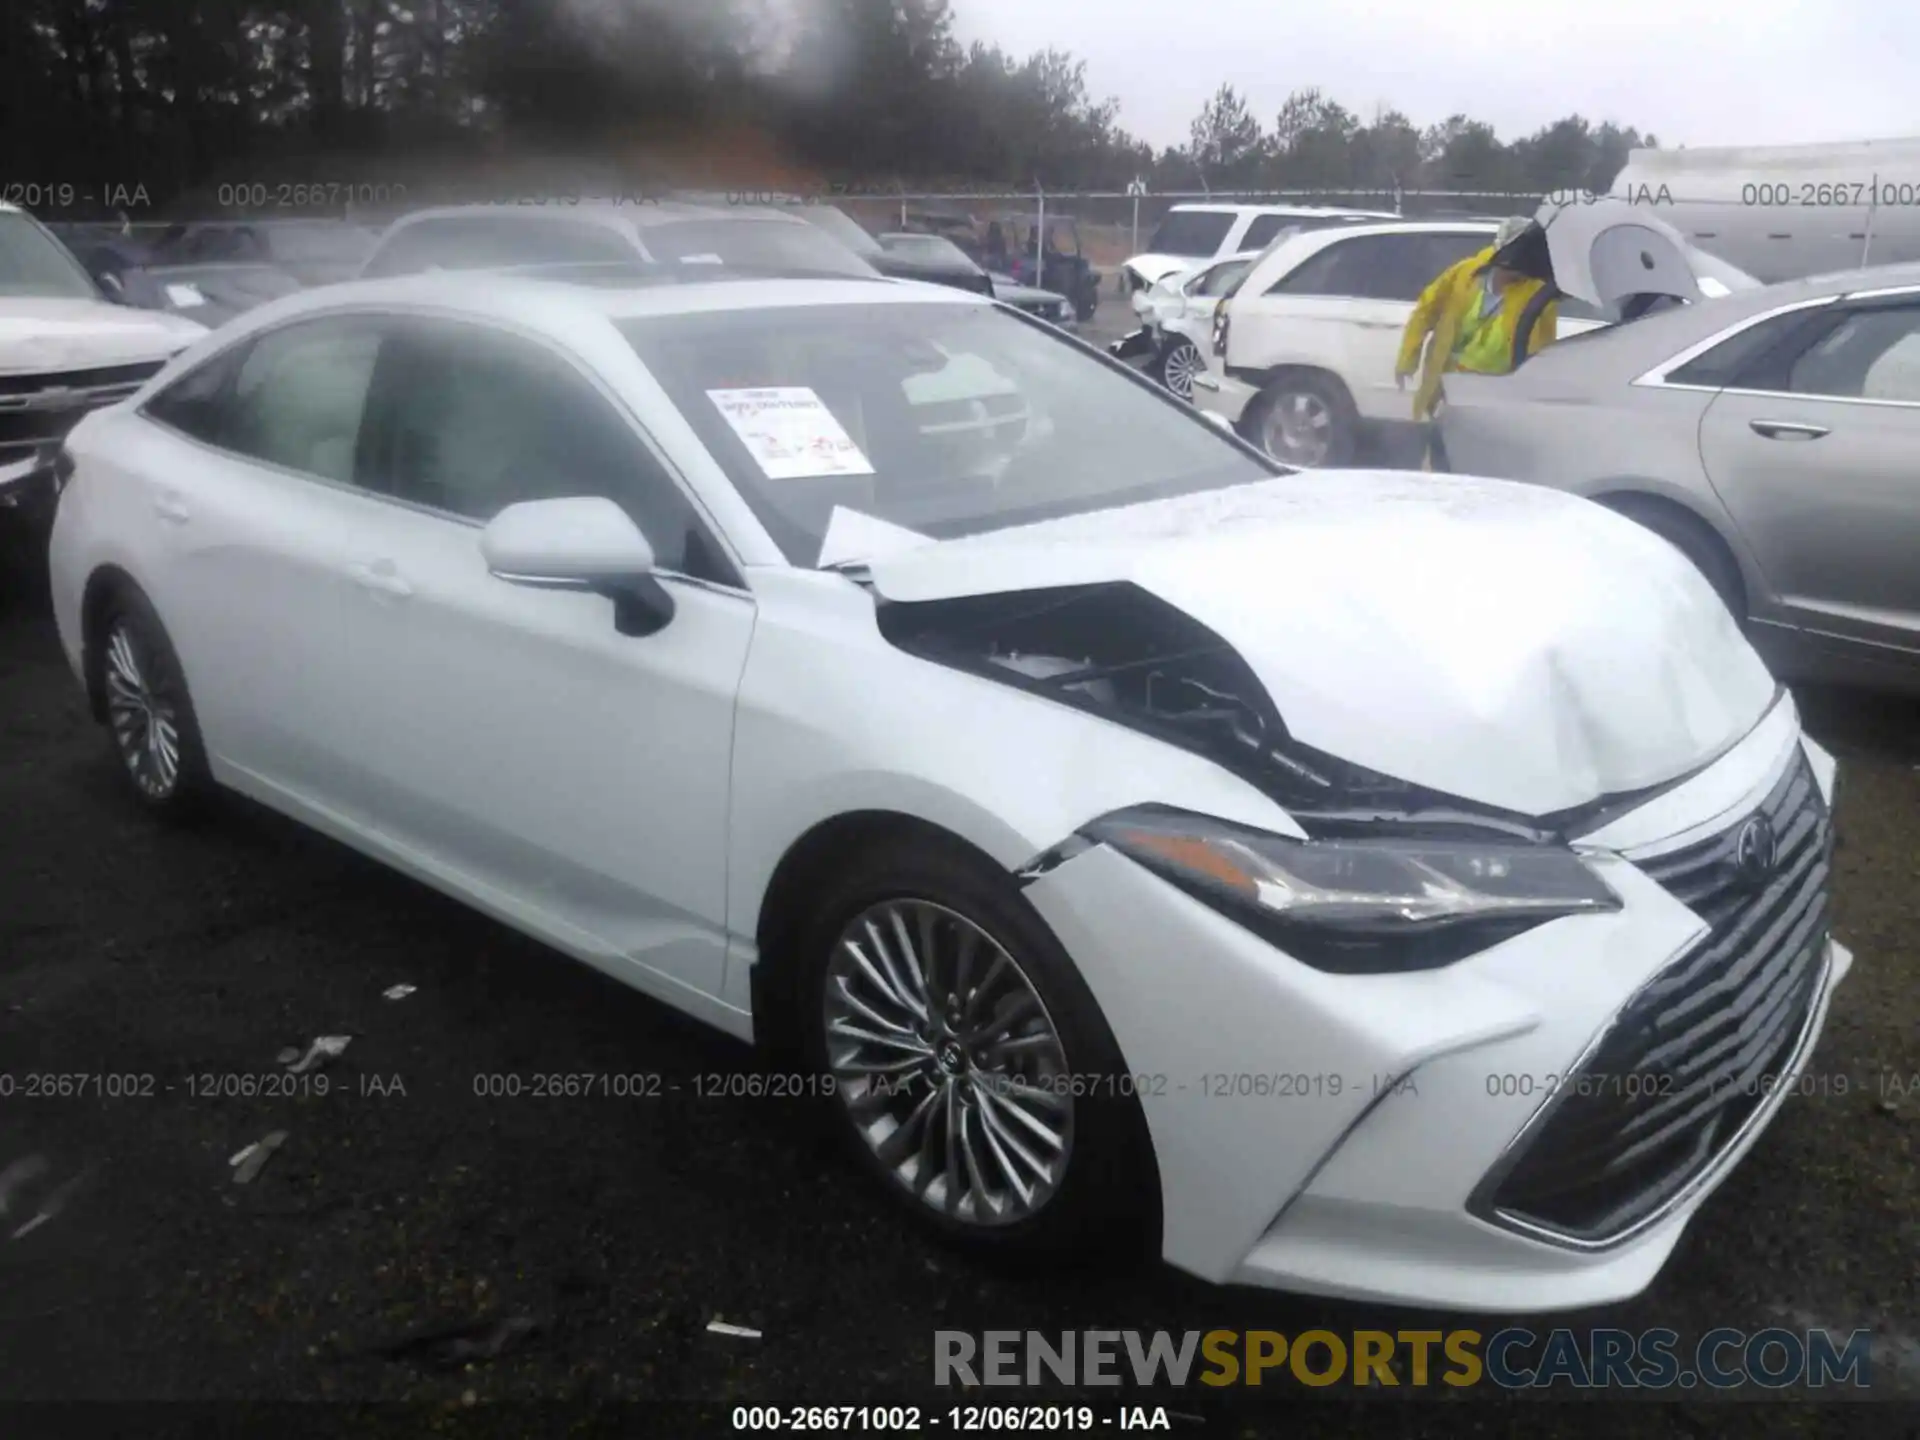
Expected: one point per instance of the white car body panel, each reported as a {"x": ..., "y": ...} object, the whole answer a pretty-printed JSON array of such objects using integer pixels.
[
  {"x": 629, "y": 800},
  {"x": 1172, "y": 304},
  {"x": 39, "y": 333},
  {"x": 1580, "y": 656},
  {"x": 1363, "y": 1194}
]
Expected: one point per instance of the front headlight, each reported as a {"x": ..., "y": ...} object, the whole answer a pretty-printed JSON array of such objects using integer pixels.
[{"x": 1361, "y": 906}]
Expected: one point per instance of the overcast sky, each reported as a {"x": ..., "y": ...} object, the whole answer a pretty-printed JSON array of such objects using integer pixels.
[{"x": 1694, "y": 72}]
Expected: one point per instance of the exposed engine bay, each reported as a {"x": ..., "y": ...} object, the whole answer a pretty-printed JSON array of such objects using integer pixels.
[{"x": 1120, "y": 652}]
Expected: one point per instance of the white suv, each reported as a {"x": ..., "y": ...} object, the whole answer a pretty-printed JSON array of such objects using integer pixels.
[
  {"x": 1190, "y": 236},
  {"x": 1302, "y": 352}
]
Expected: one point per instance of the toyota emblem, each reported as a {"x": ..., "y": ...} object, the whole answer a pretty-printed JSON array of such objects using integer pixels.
[{"x": 1756, "y": 850}]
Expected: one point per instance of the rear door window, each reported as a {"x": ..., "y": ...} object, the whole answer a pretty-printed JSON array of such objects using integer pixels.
[
  {"x": 1191, "y": 233},
  {"x": 1733, "y": 360},
  {"x": 299, "y": 395},
  {"x": 1366, "y": 267},
  {"x": 1264, "y": 227}
]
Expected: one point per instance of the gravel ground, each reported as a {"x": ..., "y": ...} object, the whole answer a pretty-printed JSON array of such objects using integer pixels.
[{"x": 402, "y": 1202}]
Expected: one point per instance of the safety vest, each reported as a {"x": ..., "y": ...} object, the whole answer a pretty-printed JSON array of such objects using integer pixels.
[{"x": 1485, "y": 344}]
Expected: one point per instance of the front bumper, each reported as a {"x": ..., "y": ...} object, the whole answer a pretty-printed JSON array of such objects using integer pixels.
[
  {"x": 1339, "y": 1135},
  {"x": 1223, "y": 395}
]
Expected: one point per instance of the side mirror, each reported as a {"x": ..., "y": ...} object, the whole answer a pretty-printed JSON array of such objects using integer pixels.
[{"x": 583, "y": 543}]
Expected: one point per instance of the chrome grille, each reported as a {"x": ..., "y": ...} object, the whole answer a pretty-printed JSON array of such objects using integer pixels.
[
  {"x": 1694, "y": 1054},
  {"x": 37, "y": 411}
]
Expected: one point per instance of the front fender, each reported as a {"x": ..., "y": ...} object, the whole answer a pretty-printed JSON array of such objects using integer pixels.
[{"x": 833, "y": 719}]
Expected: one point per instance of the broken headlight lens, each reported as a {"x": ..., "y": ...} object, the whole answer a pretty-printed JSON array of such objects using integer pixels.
[{"x": 1361, "y": 906}]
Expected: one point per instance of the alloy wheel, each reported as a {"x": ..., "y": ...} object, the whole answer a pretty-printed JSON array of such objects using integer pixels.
[
  {"x": 143, "y": 713},
  {"x": 1298, "y": 428},
  {"x": 1181, "y": 365},
  {"x": 948, "y": 1063}
]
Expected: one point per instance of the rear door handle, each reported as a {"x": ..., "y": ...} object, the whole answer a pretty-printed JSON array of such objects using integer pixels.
[
  {"x": 168, "y": 505},
  {"x": 1786, "y": 430},
  {"x": 382, "y": 578}
]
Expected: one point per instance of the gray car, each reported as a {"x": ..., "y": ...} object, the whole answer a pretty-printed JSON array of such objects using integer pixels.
[{"x": 1772, "y": 435}]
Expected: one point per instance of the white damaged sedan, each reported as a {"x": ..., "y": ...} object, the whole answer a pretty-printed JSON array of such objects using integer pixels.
[{"x": 1367, "y": 884}]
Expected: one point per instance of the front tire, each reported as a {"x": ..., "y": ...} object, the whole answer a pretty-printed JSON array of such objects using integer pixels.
[
  {"x": 973, "y": 1075},
  {"x": 151, "y": 723},
  {"x": 1176, "y": 366},
  {"x": 1305, "y": 419}
]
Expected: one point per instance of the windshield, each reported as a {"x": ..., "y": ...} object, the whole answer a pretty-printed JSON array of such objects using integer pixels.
[
  {"x": 841, "y": 226},
  {"x": 930, "y": 247},
  {"x": 761, "y": 244},
  {"x": 944, "y": 419},
  {"x": 323, "y": 244},
  {"x": 1191, "y": 232},
  {"x": 32, "y": 262},
  {"x": 188, "y": 288}
]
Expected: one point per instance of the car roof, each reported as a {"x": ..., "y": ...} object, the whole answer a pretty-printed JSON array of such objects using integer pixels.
[
  {"x": 1642, "y": 344},
  {"x": 1405, "y": 227},
  {"x": 610, "y": 214},
  {"x": 1225, "y": 208},
  {"x": 550, "y": 305}
]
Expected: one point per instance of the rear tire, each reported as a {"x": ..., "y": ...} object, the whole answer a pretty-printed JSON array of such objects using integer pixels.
[
  {"x": 151, "y": 724},
  {"x": 1305, "y": 419},
  {"x": 934, "y": 1136}
]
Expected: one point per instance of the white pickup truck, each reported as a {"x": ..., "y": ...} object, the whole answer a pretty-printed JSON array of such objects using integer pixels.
[{"x": 65, "y": 349}]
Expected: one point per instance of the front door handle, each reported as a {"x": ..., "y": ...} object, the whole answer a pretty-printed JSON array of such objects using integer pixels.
[
  {"x": 382, "y": 578},
  {"x": 1786, "y": 430}
]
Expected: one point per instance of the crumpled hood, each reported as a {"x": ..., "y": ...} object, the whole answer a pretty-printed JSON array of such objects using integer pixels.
[
  {"x": 1502, "y": 643},
  {"x": 1154, "y": 268},
  {"x": 46, "y": 334}
]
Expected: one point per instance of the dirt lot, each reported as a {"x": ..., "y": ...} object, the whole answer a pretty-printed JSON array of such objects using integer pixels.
[{"x": 402, "y": 1201}]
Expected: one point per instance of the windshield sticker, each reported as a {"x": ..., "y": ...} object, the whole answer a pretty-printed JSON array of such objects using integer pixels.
[
  {"x": 185, "y": 296},
  {"x": 790, "y": 432}
]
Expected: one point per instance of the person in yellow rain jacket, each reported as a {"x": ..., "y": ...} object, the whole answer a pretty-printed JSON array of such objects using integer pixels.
[{"x": 1471, "y": 312}]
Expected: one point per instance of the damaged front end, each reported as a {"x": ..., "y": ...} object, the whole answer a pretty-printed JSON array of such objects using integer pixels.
[{"x": 1117, "y": 651}]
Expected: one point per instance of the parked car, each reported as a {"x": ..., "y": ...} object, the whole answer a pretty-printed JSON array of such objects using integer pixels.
[
  {"x": 940, "y": 268},
  {"x": 1772, "y": 436},
  {"x": 1190, "y": 236},
  {"x": 669, "y": 233},
  {"x": 313, "y": 251},
  {"x": 105, "y": 250},
  {"x": 1022, "y": 781},
  {"x": 211, "y": 294},
  {"x": 1177, "y": 321},
  {"x": 1302, "y": 353},
  {"x": 65, "y": 349},
  {"x": 1043, "y": 304}
]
